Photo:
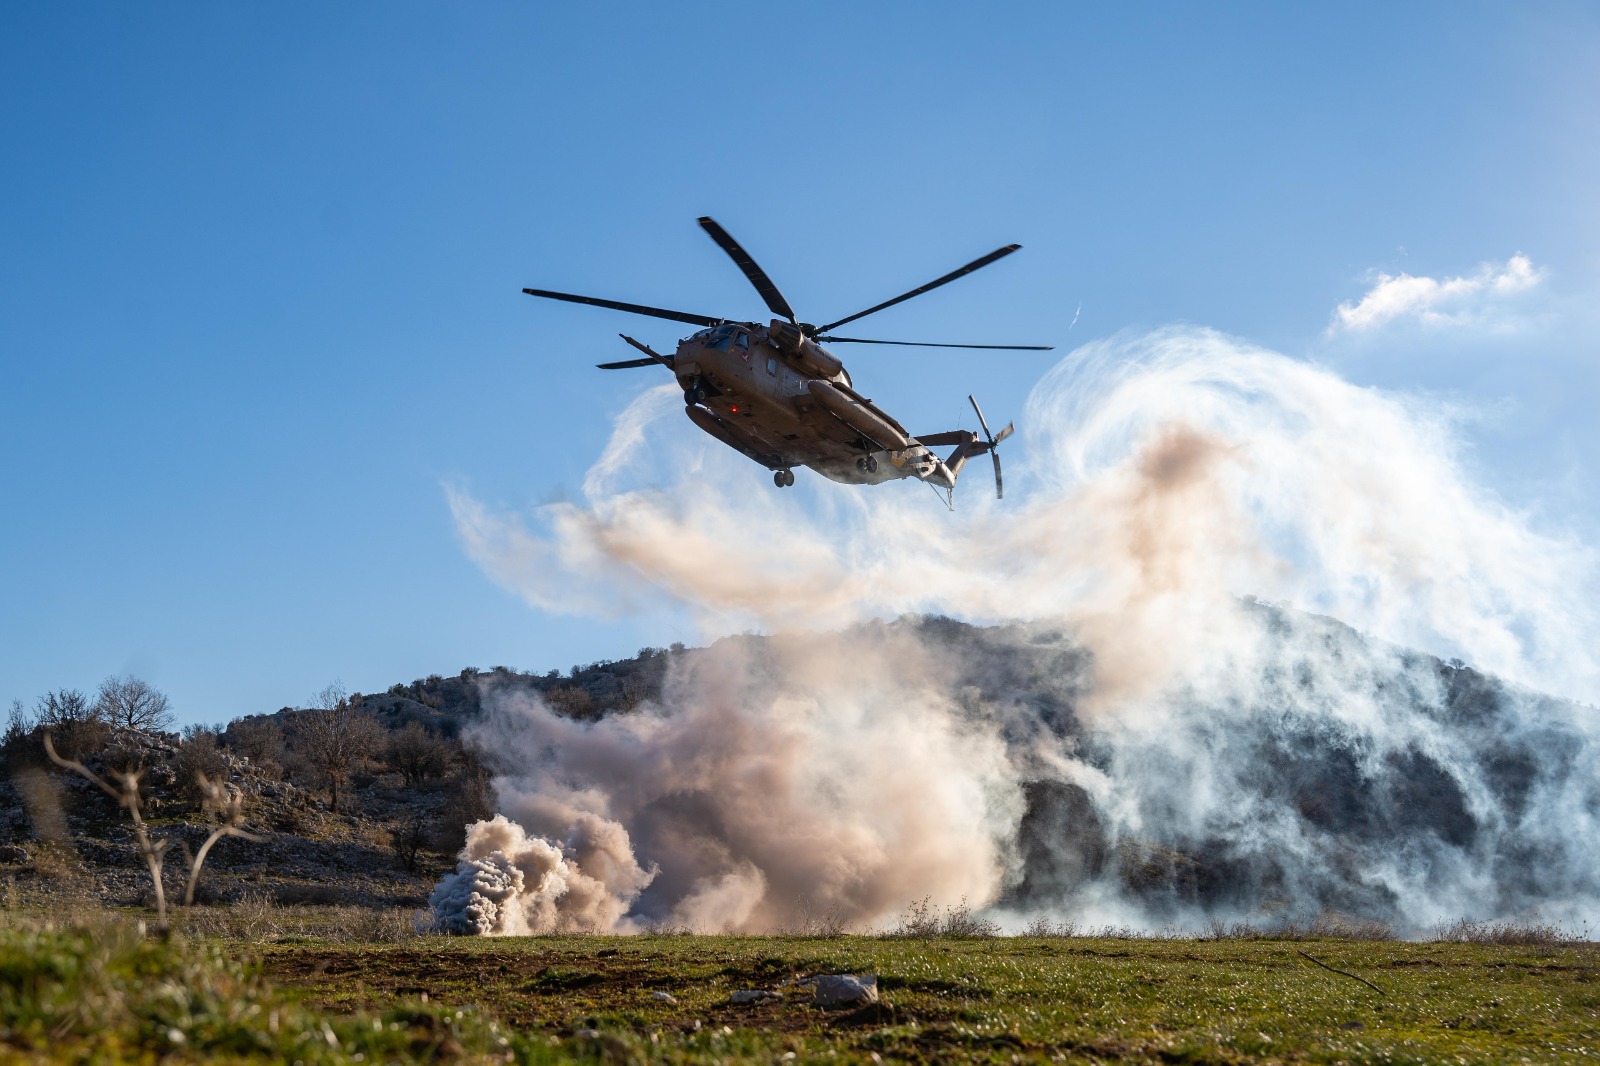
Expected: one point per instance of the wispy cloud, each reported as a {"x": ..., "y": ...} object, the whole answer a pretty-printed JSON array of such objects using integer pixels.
[{"x": 1476, "y": 299}]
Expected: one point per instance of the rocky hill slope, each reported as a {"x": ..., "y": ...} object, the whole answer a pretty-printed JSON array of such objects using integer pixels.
[{"x": 383, "y": 828}]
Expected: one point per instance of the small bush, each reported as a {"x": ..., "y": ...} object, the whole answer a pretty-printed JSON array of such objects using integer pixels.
[
  {"x": 417, "y": 754},
  {"x": 365, "y": 925},
  {"x": 1331, "y": 925},
  {"x": 409, "y": 841},
  {"x": 471, "y": 800},
  {"x": 1042, "y": 927},
  {"x": 813, "y": 921},
  {"x": 197, "y": 755},
  {"x": 1523, "y": 932},
  {"x": 922, "y": 921}
]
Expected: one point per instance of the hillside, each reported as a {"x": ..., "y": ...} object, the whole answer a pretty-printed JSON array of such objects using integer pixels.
[{"x": 382, "y": 831}]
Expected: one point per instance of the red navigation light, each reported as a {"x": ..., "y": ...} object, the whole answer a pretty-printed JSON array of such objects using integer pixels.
[{"x": 734, "y": 408}]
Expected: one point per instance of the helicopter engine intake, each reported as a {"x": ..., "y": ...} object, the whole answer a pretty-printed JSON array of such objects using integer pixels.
[{"x": 809, "y": 356}]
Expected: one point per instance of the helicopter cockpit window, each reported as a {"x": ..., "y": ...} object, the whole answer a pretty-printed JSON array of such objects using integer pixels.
[
  {"x": 742, "y": 340},
  {"x": 721, "y": 339}
]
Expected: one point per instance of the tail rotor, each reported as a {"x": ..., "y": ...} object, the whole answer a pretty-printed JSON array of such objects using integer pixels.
[{"x": 994, "y": 446}]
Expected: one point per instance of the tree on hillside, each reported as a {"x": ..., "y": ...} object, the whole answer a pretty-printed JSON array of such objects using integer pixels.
[
  {"x": 260, "y": 740},
  {"x": 79, "y": 726},
  {"x": 417, "y": 754},
  {"x": 65, "y": 707},
  {"x": 132, "y": 703},
  {"x": 335, "y": 740}
]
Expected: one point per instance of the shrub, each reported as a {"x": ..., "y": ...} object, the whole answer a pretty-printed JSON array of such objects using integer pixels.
[
  {"x": 260, "y": 740},
  {"x": 1042, "y": 927},
  {"x": 416, "y": 754},
  {"x": 409, "y": 841},
  {"x": 922, "y": 921},
  {"x": 471, "y": 800},
  {"x": 1519, "y": 931}
]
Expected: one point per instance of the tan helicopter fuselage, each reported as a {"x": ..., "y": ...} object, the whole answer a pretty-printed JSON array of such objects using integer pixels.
[{"x": 784, "y": 401}]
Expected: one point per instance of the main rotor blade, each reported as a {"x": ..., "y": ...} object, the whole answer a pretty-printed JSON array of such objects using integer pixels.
[
  {"x": 626, "y": 364},
  {"x": 998, "y": 253},
  {"x": 752, "y": 270},
  {"x": 930, "y": 344},
  {"x": 632, "y": 309}
]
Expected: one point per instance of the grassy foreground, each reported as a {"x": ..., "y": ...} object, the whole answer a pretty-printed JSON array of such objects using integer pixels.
[{"x": 109, "y": 995}]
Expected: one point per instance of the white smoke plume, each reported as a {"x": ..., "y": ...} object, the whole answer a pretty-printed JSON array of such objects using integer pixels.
[
  {"x": 1150, "y": 745},
  {"x": 511, "y": 884}
]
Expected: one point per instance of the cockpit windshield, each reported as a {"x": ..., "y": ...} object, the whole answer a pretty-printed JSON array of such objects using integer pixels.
[{"x": 718, "y": 337}]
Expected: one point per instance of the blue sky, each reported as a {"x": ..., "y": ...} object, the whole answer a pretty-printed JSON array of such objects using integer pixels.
[{"x": 261, "y": 265}]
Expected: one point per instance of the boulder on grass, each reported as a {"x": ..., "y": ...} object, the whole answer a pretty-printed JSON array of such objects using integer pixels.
[{"x": 846, "y": 990}]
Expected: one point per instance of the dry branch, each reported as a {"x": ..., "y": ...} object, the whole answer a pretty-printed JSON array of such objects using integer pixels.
[
  {"x": 1344, "y": 973},
  {"x": 225, "y": 801}
]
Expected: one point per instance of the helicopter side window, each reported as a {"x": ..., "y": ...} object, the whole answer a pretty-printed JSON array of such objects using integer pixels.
[{"x": 721, "y": 339}]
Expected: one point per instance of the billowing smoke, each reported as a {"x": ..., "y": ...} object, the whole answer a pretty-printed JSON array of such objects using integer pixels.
[
  {"x": 512, "y": 884},
  {"x": 1153, "y": 744}
]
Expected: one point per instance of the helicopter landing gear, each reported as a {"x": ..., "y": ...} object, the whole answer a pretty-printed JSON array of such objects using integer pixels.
[
  {"x": 695, "y": 393},
  {"x": 867, "y": 464},
  {"x": 783, "y": 478}
]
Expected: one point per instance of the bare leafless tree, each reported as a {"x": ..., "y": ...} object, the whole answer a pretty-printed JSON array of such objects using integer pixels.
[
  {"x": 337, "y": 739},
  {"x": 65, "y": 707},
  {"x": 77, "y": 723},
  {"x": 19, "y": 723},
  {"x": 225, "y": 802},
  {"x": 132, "y": 703}
]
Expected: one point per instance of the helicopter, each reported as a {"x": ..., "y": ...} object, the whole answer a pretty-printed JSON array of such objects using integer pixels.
[{"x": 773, "y": 393}]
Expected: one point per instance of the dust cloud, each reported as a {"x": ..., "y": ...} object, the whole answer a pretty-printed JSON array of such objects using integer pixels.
[{"x": 1157, "y": 722}]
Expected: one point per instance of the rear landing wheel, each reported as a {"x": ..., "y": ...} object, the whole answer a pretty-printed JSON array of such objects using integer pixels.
[
  {"x": 872, "y": 464},
  {"x": 783, "y": 478}
]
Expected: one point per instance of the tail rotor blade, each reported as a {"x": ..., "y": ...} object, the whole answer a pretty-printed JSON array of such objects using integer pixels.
[
  {"x": 994, "y": 445},
  {"x": 974, "y": 401}
]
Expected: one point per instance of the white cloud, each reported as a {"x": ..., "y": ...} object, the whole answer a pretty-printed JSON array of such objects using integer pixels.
[{"x": 1478, "y": 299}]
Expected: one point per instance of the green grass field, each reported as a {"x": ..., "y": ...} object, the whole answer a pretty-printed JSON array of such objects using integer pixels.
[
  {"x": 105, "y": 994},
  {"x": 991, "y": 999}
]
